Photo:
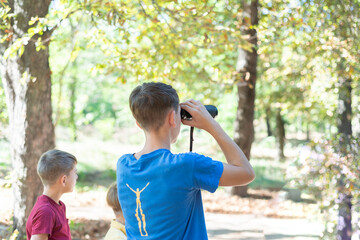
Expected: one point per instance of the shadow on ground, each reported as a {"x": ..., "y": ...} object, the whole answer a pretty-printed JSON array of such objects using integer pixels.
[{"x": 285, "y": 236}]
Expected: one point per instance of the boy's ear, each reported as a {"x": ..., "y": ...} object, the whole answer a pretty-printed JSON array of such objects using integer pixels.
[
  {"x": 63, "y": 180},
  {"x": 171, "y": 118},
  {"x": 138, "y": 124}
]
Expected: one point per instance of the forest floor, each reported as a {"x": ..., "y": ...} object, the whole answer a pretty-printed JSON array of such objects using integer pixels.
[{"x": 262, "y": 215}]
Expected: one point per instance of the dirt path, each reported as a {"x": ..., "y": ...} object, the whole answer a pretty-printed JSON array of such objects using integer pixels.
[{"x": 252, "y": 227}]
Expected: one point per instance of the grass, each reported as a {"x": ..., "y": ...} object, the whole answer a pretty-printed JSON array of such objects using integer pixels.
[
  {"x": 268, "y": 178},
  {"x": 103, "y": 179}
]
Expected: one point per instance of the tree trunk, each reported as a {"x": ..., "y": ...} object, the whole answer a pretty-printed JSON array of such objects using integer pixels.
[
  {"x": 27, "y": 85},
  {"x": 267, "y": 119},
  {"x": 344, "y": 108},
  {"x": 280, "y": 128},
  {"x": 345, "y": 130},
  {"x": 246, "y": 79},
  {"x": 72, "y": 88}
]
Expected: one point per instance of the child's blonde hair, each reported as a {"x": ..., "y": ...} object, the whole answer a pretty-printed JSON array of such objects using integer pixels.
[
  {"x": 112, "y": 198},
  {"x": 53, "y": 164}
]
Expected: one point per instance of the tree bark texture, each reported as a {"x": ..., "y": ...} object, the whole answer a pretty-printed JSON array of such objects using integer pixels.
[
  {"x": 344, "y": 228},
  {"x": 246, "y": 79},
  {"x": 27, "y": 84}
]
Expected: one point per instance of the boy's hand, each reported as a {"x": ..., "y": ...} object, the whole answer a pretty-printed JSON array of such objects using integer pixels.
[
  {"x": 238, "y": 171},
  {"x": 201, "y": 118}
]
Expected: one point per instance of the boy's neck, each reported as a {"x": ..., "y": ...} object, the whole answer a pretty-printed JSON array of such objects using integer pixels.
[
  {"x": 155, "y": 140},
  {"x": 53, "y": 193}
]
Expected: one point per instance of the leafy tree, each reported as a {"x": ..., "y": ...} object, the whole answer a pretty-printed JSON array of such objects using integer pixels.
[
  {"x": 332, "y": 33},
  {"x": 26, "y": 80},
  {"x": 311, "y": 47},
  {"x": 246, "y": 74},
  {"x": 319, "y": 169},
  {"x": 193, "y": 45},
  {"x": 343, "y": 21}
]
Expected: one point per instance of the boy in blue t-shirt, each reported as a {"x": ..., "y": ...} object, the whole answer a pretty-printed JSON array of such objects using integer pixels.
[{"x": 160, "y": 192}]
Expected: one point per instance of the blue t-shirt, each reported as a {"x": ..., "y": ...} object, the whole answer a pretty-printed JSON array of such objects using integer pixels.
[{"x": 160, "y": 194}]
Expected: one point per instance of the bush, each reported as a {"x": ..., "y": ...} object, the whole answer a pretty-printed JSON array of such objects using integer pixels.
[{"x": 328, "y": 168}]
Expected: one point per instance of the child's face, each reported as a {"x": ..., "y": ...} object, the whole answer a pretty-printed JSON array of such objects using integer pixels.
[{"x": 71, "y": 180}]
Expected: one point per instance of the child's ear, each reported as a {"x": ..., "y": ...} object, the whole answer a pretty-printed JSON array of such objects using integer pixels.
[
  {"x": 138, "y": 124},
  {"x": 63, "y": 180},
  {"x": 171, "y": 118}
]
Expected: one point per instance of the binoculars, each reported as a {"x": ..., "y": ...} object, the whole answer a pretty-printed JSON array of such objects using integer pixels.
[
  {"x": 187, "y": 116},
  {"x": 211, "y": 109}
]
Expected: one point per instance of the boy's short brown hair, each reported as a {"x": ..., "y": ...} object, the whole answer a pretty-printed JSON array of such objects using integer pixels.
[
  {"x": 112, "y": 198},
  {"x": 53, "y": 164},
  {"x": 150, "y": 102}
]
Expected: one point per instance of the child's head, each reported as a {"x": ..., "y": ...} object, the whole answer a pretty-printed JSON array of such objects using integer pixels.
[
  {"x": 151, "y": 102},
  {"x": 112, "y": 198},
  {"x": 54, "y": 164}
]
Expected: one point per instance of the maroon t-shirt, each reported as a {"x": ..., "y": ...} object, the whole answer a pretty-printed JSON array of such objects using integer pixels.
[{"x": 48, "y": 217}]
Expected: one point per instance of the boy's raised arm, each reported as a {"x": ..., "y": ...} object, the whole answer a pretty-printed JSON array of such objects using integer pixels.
[{"x": 238, "y": 171}]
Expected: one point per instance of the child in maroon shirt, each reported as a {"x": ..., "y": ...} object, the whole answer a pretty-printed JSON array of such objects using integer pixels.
[{"x": 47, "y": 220}]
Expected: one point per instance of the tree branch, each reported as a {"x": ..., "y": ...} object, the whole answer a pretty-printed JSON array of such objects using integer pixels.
[
  {"x": 157, "y": 7},
  {"x": 148, "y": 16},
  {"x": 50, "y": 31}
]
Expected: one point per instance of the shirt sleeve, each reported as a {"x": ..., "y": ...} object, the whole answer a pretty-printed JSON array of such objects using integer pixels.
[
  {"x": 207, "y": 173},
  {"x": 43, "y": 221}
]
